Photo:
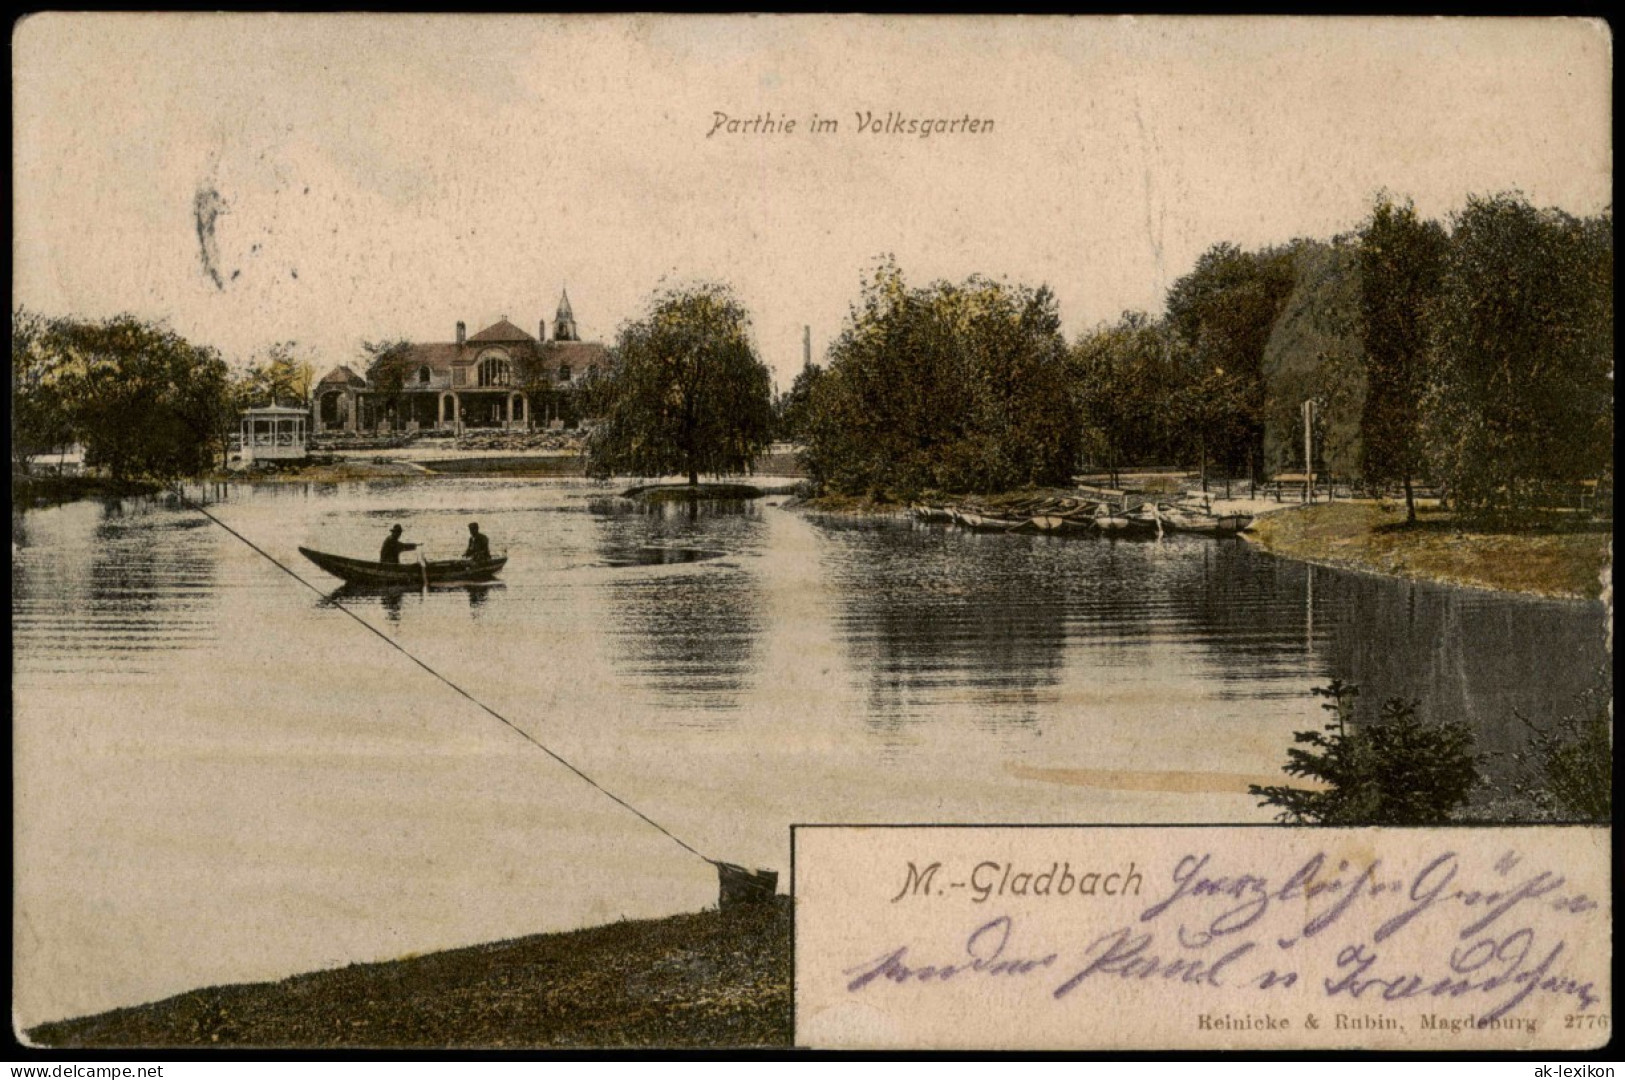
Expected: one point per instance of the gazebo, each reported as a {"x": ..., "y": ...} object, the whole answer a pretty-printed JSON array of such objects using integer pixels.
[{"x": 274, "y": 433}]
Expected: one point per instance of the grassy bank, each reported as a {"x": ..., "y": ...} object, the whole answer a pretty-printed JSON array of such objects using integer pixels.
[
  {"x": 1557, "y": 562},
  {"x": 711, "y": 979}
]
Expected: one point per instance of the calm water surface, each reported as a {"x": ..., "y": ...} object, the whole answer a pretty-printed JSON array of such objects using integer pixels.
[{"x": 220, "y": 777}]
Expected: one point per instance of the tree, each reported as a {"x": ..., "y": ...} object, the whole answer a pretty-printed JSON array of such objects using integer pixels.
[
  {"x": 278, "y": 377},
  {"x": 1127, "y": 377},
  {"x": 388, "y": 370},
  {"x": 535, "y": 366},
  {"x": 949, "y": 387},
  {"x": 1521, "y": 394},
  {"x": 1314, "y": 354},
  {"x": 41, "y": 417},
  {"x": 686, "y": 392},
  {"x": 1401, "y": 259},
  {"x": 1400, "y": 770},
  {"x": 1219, "y": 412},
  {"x": 1225, "y": 309},
  {"x": 793, "y": 409},
  {"x": 144, "y": 400}
]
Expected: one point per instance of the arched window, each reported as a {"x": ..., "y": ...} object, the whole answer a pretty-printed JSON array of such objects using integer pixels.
[
  {"x": 423, "y": 375},
  {"x": 495, "y": 371},
  {"x": 564, "y": 373}
]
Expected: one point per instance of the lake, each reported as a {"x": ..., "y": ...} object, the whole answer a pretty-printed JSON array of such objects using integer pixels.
[{"x": 219, "y": 777}]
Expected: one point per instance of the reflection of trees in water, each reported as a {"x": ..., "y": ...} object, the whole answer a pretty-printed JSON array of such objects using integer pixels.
[
  {"x": 144, "y": 561},
  {"x": 929, "y": 614},
  {"x": 692, "y": 636},
  {"x": 1250, "y": 611},
  {"x": 630, "y": 525},
  {"x": 927, "y": 611},
  {"x": 142, "y": 578},
  {"x": 1468, "y": 656}
]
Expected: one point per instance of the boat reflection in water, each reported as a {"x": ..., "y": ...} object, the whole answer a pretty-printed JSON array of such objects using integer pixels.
[{"x": 390, "y": 597}]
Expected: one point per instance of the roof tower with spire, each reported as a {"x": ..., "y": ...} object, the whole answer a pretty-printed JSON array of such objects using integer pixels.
[{"x": 564, "y": 321}]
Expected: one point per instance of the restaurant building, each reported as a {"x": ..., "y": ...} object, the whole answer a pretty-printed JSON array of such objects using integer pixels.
[{"x": 475, "y": 381}]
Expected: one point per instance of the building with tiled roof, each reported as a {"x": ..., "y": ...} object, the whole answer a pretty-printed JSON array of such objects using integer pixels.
[{"x": 484, "y": 380}]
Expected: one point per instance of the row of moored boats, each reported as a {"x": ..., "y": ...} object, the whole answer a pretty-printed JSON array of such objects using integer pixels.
[{"x": 1076, "y": 515}]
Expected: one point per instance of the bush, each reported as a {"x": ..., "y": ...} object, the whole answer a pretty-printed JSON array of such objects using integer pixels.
[{"x": 1400, "y": 770}]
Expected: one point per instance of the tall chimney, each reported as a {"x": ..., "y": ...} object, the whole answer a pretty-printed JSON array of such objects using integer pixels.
[
  {"x": 462, "y": 333},
  {"x": 806, "y": 346},
  {"x": 541, "y": 330}
]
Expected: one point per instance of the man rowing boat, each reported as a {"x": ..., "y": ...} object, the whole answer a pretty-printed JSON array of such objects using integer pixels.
[
  {"x": 479, "y": 545},
  {"x": 393, "y": 546}
]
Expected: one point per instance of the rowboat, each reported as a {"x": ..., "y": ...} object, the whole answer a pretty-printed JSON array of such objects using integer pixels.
[
  {"x": 437, "y": 572},
  {"x": 987, "y": 523},
  {"x": 1205, "y": 523},
  {"x": 1190, "y": 519},
  {"x": 1219, "y": 525}
]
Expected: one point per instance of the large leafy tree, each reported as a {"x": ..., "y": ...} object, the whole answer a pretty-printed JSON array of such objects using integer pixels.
[
  {"x": 950, "y": 387},
  {"x": 1224, "y": 310},
  {"x": 1127, "y": 376},
  {"x": 686, "y": 392},
  {"x": 1401, "y": 260},
  {"x": 41, "y": 415},
  {"x": 144, "y": 401},
  {"x": 1521, "y": 358}
]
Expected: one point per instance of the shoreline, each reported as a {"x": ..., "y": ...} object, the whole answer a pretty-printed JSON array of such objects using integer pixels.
[
  {"x": 1364, "y": 537},
  {"x": 707, "y": 979},
  {"x": 1357, "y": 536}
]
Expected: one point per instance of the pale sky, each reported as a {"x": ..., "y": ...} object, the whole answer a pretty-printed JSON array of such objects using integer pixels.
[{"x": 384, "y": 176}]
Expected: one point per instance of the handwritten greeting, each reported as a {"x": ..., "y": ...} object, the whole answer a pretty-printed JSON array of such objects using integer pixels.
[{"x": 1445, "y": 938}]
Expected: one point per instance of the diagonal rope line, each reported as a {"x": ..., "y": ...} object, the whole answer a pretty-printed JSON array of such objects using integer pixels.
[{"x": 398, "y": 647}]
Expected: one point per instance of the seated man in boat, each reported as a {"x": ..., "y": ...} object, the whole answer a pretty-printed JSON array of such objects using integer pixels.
[
  {"x": 391, "y": 551},
  {"x": 479, "y": 545}
]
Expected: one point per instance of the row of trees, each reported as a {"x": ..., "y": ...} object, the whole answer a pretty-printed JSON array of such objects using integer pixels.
[
  {"x": 142, "y": 400},
  {"x": 1474, "y": 354},
  {"x": 1489, "y": 351},
  {"x": 1477, "y": 355},
  {"x": 972, "y": 387}
]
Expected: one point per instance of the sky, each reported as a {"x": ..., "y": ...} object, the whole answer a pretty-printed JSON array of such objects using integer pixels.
[{"x": 331, "y": 180}]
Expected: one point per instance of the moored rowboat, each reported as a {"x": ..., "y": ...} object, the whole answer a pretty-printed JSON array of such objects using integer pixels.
[
  {"x": 986, "y": 522},
  {"x": 1205, "y": 523},
  {"x": 362, "y": 572}
]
